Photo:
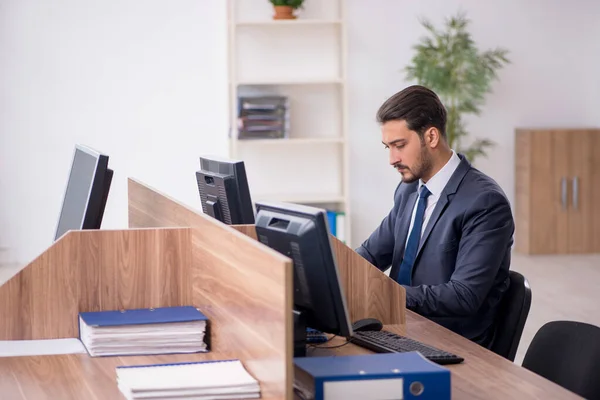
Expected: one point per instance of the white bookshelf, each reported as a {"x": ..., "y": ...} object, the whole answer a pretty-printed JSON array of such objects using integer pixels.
[{"x": 305, "y": 60}]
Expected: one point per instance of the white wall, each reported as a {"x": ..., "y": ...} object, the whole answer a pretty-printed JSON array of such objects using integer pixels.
[
  {"x": 552, "y": 81},
  {"x": 143, "y": 80}
]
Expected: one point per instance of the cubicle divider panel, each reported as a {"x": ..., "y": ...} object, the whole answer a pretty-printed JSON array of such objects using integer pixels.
[
  {"x": 243, "y": 287},
  {"x": 91, "y": 271},
  {"x": 369, "y": 292}
]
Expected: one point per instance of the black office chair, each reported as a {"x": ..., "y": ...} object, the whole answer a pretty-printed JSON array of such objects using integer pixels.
[
  {"x": 511, "y": 317},
  {"x": 568, "y": 354}
]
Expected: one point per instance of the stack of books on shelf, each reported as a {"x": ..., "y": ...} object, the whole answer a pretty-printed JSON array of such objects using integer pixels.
[
  {"x": 227, "y": 379},
  {"x": 261, "y": 117},
  {"x": 166, "y": 330}
]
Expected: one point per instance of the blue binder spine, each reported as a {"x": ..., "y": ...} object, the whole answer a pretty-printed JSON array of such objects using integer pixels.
[
  {"x": 331, "y": 221},
  {"x": 369, "y": 377}
]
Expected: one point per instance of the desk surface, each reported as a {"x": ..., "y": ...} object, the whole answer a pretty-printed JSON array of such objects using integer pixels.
[
  {"x": 483, "y": 375},
  {"x": 73, "y": 376}
]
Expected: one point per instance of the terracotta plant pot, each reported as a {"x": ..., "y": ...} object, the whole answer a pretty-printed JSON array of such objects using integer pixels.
[{"x": 284, "y": 12}]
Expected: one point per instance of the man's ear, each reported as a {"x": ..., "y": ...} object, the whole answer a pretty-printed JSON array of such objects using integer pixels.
[{"x": 433, "y": 137}]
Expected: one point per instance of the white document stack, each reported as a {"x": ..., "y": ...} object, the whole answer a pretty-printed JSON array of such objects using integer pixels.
[
  {"x": 143, "y": 331},
  {"x": 226, "y": 379}
]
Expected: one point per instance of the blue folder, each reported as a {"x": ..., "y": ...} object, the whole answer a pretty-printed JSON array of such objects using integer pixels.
[
  {"x": 142, "y": 316},
  {"x": 373, "y": 376}
]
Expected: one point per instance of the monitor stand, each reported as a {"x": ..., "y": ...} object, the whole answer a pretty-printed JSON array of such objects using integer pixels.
[
  {"x": 299, "y": 334},
  {"x": 214, "y": 207},
  {"x": 105, "y": 190}
]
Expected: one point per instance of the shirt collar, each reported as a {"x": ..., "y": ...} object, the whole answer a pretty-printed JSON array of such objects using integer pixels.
[{"x": 438, "y": 182}]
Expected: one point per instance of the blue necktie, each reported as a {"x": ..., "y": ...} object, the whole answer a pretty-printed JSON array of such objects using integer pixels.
[{"x": 410, "y": 253}]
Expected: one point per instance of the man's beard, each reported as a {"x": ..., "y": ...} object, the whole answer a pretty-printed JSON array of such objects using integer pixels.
[{"x": 422, "y": 167}]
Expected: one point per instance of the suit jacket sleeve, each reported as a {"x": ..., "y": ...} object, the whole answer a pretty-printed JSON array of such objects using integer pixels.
[
  {"x": 487, "y": 232},
  {"x": 378, "y": 249}
]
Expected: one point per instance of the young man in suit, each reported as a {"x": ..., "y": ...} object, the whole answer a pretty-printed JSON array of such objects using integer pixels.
[{"x": 449, "y": 234}]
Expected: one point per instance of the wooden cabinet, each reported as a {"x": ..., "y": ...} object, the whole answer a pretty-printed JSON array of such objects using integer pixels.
[{"x": 557, "y": 196}]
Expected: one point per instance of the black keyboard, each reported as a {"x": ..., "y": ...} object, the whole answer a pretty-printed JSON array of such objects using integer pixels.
[{"x": 388, "y": 342}]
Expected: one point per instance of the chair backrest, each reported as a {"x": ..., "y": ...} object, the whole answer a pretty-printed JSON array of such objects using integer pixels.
[
  {"x": 511, "y": 316},
  {"x": 568, "y": 354}
]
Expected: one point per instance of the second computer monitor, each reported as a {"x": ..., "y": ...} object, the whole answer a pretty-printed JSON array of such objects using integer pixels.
[
  {"x": 86, "y": 193},
  {"x": 301, "y": 233},
  {"x": 224, "y": 190}
]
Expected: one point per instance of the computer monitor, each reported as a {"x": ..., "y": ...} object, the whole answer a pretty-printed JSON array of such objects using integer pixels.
[
  {"x": 224, "y": 190},
  {"x": 87, "y": 190},
  {"x": 301, "y": 233}
]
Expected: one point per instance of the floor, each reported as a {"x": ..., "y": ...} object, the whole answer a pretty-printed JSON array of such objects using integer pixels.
[{"x": 563, "y": 287}]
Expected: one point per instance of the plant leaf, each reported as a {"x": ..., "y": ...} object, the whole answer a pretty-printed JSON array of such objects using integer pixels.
[{"x": 448, "y": 62}]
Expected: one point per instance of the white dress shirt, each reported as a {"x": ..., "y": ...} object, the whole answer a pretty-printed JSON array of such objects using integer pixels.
[{"x": 436, "y": 184}]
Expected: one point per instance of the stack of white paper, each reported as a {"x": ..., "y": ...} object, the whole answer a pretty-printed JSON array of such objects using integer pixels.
[
  {"x": 42, "y": 347},
  {"x": 200, "y": 380},
  {"x": 143, "y": 331}
]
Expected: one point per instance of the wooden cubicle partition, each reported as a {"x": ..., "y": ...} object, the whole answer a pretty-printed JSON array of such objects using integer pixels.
[
  {"x": 93, "y": 271},
  {"x": 243, "y": 287},
  {"x": 369, "y": 292}
]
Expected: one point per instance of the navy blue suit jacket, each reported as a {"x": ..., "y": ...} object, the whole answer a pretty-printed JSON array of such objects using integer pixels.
[{"x": 461, "y": 270}]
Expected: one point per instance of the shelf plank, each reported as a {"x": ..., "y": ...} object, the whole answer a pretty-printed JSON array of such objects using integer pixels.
[
  {"x": 292, "y": 22},
  {"x": 289, "y": 81},
  {"x": 290, "y": 141},
  {"x": 306, "y": 198}
]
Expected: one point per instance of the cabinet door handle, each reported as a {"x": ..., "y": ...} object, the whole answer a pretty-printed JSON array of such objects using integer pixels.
[
  {"x": 575, "y": 192},
  {"x": 563, "y": 193}
]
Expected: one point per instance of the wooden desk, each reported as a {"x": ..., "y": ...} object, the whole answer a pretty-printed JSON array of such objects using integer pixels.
[
  {"x": 73, "y": 376},
  {"x": 483, "y": 374},
  {"x": 158, "y": 265}
]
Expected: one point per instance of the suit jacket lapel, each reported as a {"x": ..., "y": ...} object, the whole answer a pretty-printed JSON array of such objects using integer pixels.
[
  {"x": 405, "y": 221},
  {"x": 450, "y": 189},
  {"x": 401, "y": 233},
  {"x": 437, "y": 212}
]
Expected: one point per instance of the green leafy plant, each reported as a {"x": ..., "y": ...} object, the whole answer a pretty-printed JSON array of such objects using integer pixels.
[
  {"x": 295, "y": 4},
  {"x": 449, "y": 63}
]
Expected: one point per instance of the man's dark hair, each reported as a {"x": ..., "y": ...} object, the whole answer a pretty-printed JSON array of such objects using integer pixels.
[{"x": 420, "y": 107}]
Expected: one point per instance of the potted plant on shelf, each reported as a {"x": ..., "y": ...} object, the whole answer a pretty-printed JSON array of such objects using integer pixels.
[
  {"x": 449, "y": 63},
  {"x": 284, "y": 9}
]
